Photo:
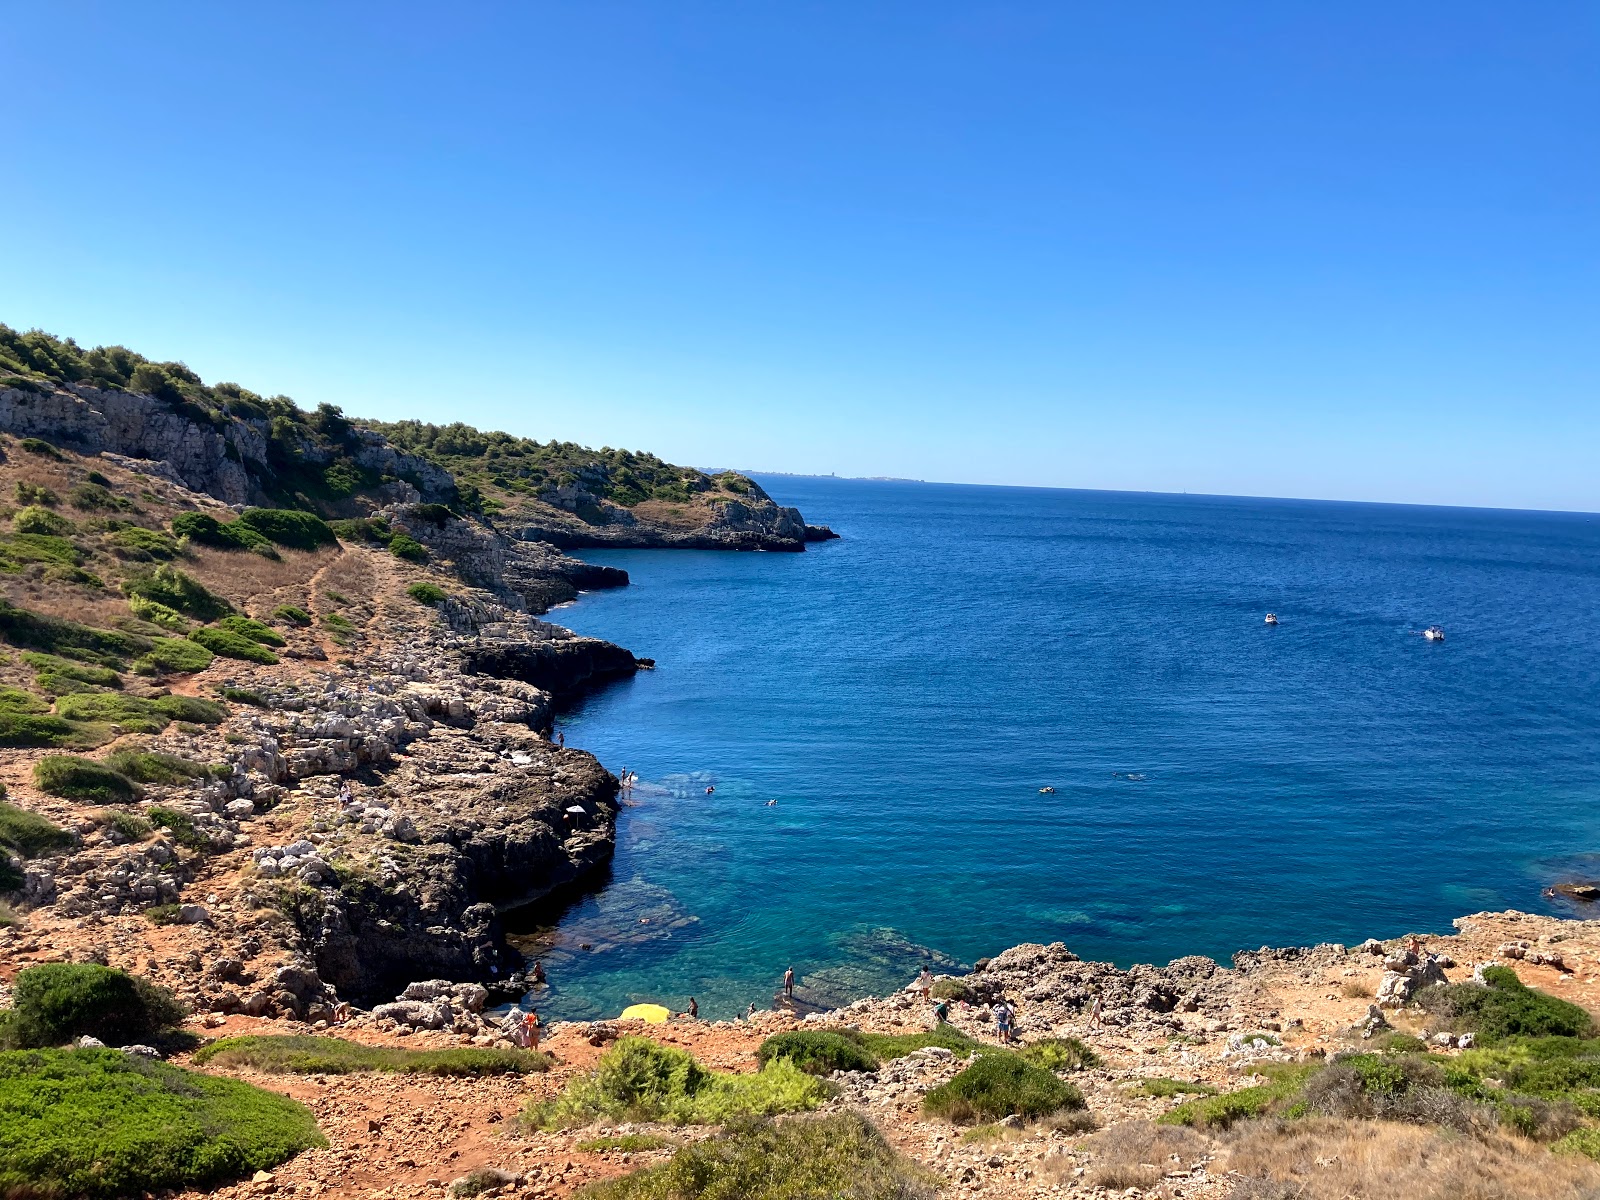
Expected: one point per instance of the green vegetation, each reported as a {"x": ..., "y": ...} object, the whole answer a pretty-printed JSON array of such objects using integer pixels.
[
  {"x": 426, "y": 593},
  {"x": 129, "y": 826},
  {"x": 28, "y": 730},
  {"x": 341, "y": 630},
  {"x": 15, "y": 700},
  {"x": 203, "y": 529},
  {"x": 65, "y": 668},
  {"x": 817, "y": 1052},
  {"x": 163, "y": 914},
  {"x": 28, "y": 833},
  {"x": 137, "y": 714},
  {"x": 291, "y": 614},
  {"x": 303, "y": 1055},
  {"x": 151, "y": 766},
  {"x": 179, "y": 591},
  {"x": 1284, "y": 1084},
  {"x": 228, "y": 644},
  {"x": 373, "y": 530},
  {"x": 837, "y": 1156},
  {"x": 99, "y": 1124},
  {"x": 951, "y": 989},
  {"x": 1505, "y": 1007},
  {"x": 60, "y": 1002},
  {"x": 35, "y": 631},
  {"x": 158, "y": 614},
  {"x": 1060, "y": 1054},
  {"x": 408, "y": 548},
  {"x": 34, "y": 519},
  {"x": 179, "y": 825},
  {"x": 888, "y": 1046},
  {"x": 288, "y": 527},
  {"x": 626, "y": 1143},
  {"x": 95, "y": 496},
  {"x": 244, "y": 696},
  {"x": 640, "y": 1080},
  {"x": 56, "y": 554},
  {"x": 998, "y": 1085},
  {"x": 35, "y": 493},
  {"x": 138, "y": 544},
  {"x": 77, "y": 778},
  {"x": 247, "y": 627},
  {"x": 173, "y": 655},
  {"x": 1163, "y": 1088},
  {"x": 39, "y": 446}
]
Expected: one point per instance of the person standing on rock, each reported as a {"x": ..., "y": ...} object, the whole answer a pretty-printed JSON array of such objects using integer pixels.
[
  {"x": 1095, "y": 1010},
  {"x": 530, "y": 1025},
  {"x": 1002, "y": 1020},
  {"x": 788, "y": 984},
  {"x": 538, "y": 973},
  {"x": 924, "y": 983},
  {"x": 561, "y": 739}
]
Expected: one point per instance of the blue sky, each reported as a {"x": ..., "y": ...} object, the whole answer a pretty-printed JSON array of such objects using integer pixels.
[{"x": 1294, "y": 249}]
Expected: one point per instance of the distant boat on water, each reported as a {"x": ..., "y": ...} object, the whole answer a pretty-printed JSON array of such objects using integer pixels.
[
  {"x": 1272, "y": 618},
  {"x": 1433, "y": 633}
]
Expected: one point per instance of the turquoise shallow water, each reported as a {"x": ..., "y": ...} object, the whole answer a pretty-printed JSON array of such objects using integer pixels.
[{"x": 904, "y": 693}]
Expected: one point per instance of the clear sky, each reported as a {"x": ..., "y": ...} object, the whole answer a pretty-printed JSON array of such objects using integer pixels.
[{"x": 1304, "y": 249}]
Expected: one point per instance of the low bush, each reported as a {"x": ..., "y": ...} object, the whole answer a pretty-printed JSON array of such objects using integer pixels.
[
  {"x": 180, "y": 825},
  {"x": 138, "y": 544},
  {"x": 28, "y": 833},
  {"x": 626, "y": 1143},
  {"x": 297, "y": 1054},
  {"x": 56, "y": 1003},
  {"x": 953, "y": 990},
  {"x": 247, "y": 627},
  {"x": 1001, "y": 1085},
  {"x": 887, "y": 1046},
  {"x": 151, "y": 766},
  {"x": 30, "y": 730},
  {"x": 244, "y": 696},
  {"x": 837, "y": 1156},
  {"x": 1503, "y": 1007},
  {"x": 35, "y": 493},
  {"x": 174, "y": 655},
  {"x": 1163, "y": 1088},
  {"x": 205, "y": 530},
  {"x": 35, "y": 519},
  {"x": 96, "y": 497},
  {"x": 76, "y": 778},
  {"x": 291, "y": 614},
  {"x": 163, "y": 914},
  {"x": 817, "y": 1052},
  {"x": 42, "y": 448},
  {"x": 15, "y": 700},
  {"x": 98, "y": 1124},
  {"x": 1060, "y": 1054},
  {"x": 289, "y": 527},
  {"x": 640, "y": 1080},
  {"x": 132, "y": 828},
  {"x": 426, "y": 593},
  {"x": 408, "y": 548},
  {"x": 227, "y": 644},
  {"x": 192, "y": 709},
  {"x": 35, "y": 631},
  {"x": 1223, "y": 1110},
  {"x": 66, "y": 668},
  {"x": 158, "y": 614},
  {"x": 134, "y": 713},
  {"x": 178, "y": 591}
]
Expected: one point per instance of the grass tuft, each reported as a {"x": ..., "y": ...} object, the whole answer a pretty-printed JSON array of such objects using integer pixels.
[
  {"x": 75, "y": 778},
  {"x": 28, "y": 833},
  {"x": 296, "y": 1054}
]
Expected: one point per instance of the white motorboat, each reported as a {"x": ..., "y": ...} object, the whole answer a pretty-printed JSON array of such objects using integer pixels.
[
  {"x": 1272, "y": 618},
  {"x": 1433, "y": 633}
]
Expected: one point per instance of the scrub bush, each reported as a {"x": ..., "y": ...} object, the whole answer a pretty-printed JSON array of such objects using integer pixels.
[
  {"x": 1001, "y": 1085},
  {"x": 298, "y": 1054},
  {"x": 179, "y": 591},
  {"x": 288, "y": 527},
  {"x": 817, "y": 1052},
  {"x": 228, "y": 644},
  {"x": 76, "y": 778},
  {"x": 28, "y": 833},
  {"x": 174, "y": 655},
  {"x": 247, "y": 627},
  {"x": 426, "y": 593},
  {"x": 61, "y": 1002}
]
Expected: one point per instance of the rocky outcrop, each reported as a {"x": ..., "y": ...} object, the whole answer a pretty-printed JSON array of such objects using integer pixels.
[{"x": 560, "y": 666}]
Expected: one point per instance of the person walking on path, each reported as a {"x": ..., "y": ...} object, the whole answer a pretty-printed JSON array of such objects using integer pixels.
[
  {"x": 1095, "y": 1011},
  {"x": 925, "y": 983},
  {"x": 530, "y": 1025},
  {"x": 788, "y": 984},
  {"x": 1002, "y": 1020}
]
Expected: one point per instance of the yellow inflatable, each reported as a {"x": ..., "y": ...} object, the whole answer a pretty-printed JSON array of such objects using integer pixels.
[{"x": 654, "y": 1013}]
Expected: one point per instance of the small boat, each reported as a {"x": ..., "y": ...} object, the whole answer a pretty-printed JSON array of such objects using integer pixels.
[
  {"x": 1047, "y": 791},
  {"x": 1433, "y": 633},
  {"x": 1272, "y": 618}
]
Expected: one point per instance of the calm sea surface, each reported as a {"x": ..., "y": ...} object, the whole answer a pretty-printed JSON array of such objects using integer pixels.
[{"x": 903, "y": 695}]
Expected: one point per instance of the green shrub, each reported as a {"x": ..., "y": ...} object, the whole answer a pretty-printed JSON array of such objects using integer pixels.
[
  {"x": 35, "y": 631},
  {"x": 150, "y": 766},
  {"x": 96, "y": 497},
  {"x": 141, "y": 545},
  {"x": 205, "y": 530},
  {"x": 228, "y": 644},
  {"x": 15, "y": 700},
  {"x": 28, "y": 833},
  {"x": 408, "y": 548},
  {"x": 887, "y": 1046},
  {"x": 42, "y": 448},
  {"x": 125, "y": 823},
  {"x": 244, "y": 696},
  {"x": 1503, "y": 1006},
  {"x": 1223, "y": 1110},
  {"x": 35, "y": 493},
  {"x": 362, "y": 529},
  {"x": 426, "y": 593},
  {"x": 192, "y": 709},
  {"x": 163, "y": 914},
  {"x": 158, "y": 614},
  {"x": 60, "y": 1002},
  {"x": 1163, "y": 1088},
  {"x": 99, "y": 1124},
  {"x": 289, "y": 527},
  {"x": 640, "y": 1080},
  {"x": 291, "y": 614},
  {"x": 44, "y": 548},
  {"x": 1001, "y": 1085},
  {"x": 29, "y": 730},
  {"x": 1584, "y": 1141},
  {"x": 836, "y": 1157},
  {"x": 179, "y": 591},
  {"x": 179, "y": 825},
  {"x": 1060, "y": 1054},
  {"x": 83, "y": 779},
  {"x": 174, "y": 655},
  {"x": 302, "y": 1055},
  {"x": 246, "y": 627},
  {"x": 34, "y": 519},
  {"x": 66, "y": 668},
  {"x": 134, "y": 714},
  {"x": 951, "y": 989},
  {"x": 817, "y": 1052},
  {"x": 626, "y": 1143}
]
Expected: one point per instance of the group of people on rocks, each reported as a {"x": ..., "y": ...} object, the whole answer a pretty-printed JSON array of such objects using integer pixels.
[{"x": 1003, "y": 1013}]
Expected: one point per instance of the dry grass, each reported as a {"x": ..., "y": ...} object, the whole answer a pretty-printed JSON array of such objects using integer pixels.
[
  {"x": 1325, "y": 1159},
  {"x": 239, "y": 575},
  {"x": 1137, "y": 1154},
  {"x": 1357, "y": 989}
]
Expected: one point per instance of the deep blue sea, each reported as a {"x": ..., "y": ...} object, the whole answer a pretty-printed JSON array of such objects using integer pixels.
[{"x": 904, "y": 693}]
